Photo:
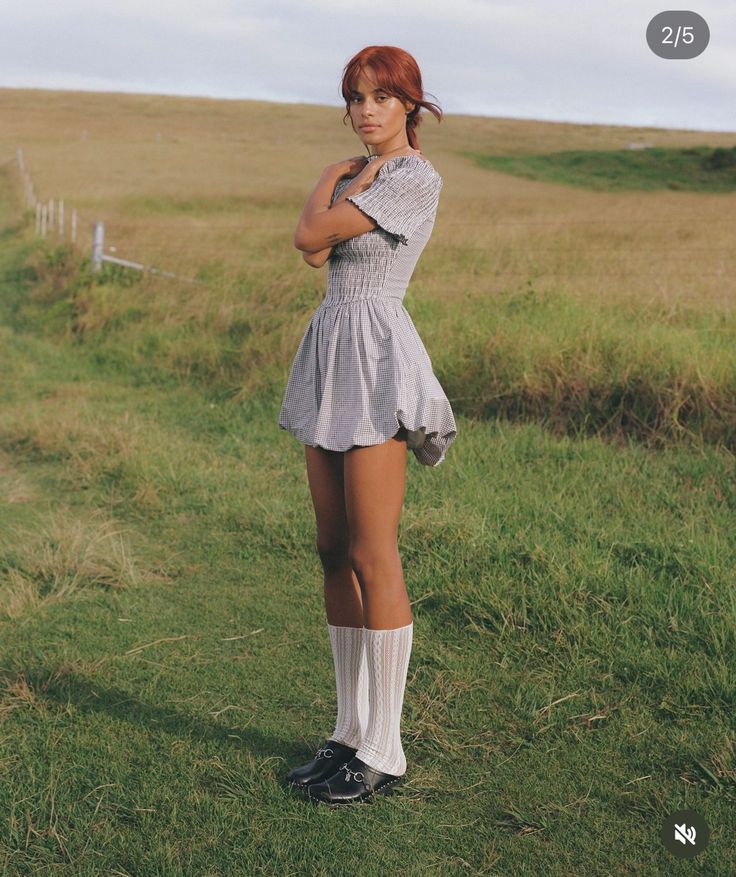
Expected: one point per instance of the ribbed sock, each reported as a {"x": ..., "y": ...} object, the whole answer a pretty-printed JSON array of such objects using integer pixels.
[
  {"x": 387, "y": 654},
  {"x": 351, "y": 679}
]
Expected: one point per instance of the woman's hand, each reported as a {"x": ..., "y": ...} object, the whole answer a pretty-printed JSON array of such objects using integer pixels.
[
  {"x": 359, "y": 166},
  {"x": 375, "y": 166},
  {"x": 348, "y": 167},
  {"x": 383, "y": 159},
  {"x": 370, "y": 169}
]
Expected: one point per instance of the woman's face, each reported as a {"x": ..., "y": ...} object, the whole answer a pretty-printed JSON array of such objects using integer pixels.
[{"x": 370, "y": 105}]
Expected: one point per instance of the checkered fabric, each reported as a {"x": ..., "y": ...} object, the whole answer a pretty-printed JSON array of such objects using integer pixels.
[{"x": 361, "y": 370}]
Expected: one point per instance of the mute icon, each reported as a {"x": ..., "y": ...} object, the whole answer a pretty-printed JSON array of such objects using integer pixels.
[{"x": 685, "y": 834}]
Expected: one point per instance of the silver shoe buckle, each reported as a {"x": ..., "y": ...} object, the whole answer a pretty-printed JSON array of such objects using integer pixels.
[
  {"x": 357, "y": 775},
  {"x": 322, "y": 753}
]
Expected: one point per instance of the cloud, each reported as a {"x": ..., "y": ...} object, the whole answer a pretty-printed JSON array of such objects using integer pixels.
[{"x": 525, "y": 59}]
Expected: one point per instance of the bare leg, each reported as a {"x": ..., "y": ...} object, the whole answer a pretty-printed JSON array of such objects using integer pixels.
[
  {"x": 343, "y": 600},
  {"x": 343, "y": 603},
  {"x": 375, "y": 479},
  {"x": 358, "y": 496},
  {"x": 375, "y": 483}
]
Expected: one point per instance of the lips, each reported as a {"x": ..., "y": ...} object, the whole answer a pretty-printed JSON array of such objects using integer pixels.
[{"x": 364, "y": 127}]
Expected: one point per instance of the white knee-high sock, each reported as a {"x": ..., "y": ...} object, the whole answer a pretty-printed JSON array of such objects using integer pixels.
[
  {"x": 387, "y": 654},
  {"x": 351, "y": 679}
]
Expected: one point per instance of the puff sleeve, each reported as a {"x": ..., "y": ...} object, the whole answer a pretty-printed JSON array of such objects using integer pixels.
[
  {"x": 404, "y": 193},
  {"x": 341, "y": 184}
]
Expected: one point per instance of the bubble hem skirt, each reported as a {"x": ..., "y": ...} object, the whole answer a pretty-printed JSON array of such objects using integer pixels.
[{"x": 360, "y": 373}]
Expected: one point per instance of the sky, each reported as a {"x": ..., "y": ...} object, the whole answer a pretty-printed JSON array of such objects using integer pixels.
[{"x": 553, "y": 60}]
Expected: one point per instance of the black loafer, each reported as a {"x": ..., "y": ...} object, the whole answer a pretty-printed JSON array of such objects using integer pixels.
[
  {"x": 354, "y": 782},
  {"x": 323, "y": 765}
]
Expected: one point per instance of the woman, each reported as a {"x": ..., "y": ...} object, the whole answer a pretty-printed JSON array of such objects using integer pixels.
[{"x": 361, "y": 391}]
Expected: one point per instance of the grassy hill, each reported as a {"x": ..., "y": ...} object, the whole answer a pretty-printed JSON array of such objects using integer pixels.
[{"x": 164, "y": 656}]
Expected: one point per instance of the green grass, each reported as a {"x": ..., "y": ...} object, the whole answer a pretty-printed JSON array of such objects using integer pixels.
[
  {"x": 619, "y": 369},
  {"x": 695, "y": 169},
  {"x": 164, "y": 656}
]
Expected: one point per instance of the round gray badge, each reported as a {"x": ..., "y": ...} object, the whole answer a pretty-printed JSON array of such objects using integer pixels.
[
  {"x": 685, "y": 834},
  {"x": 678, "y": 33}
]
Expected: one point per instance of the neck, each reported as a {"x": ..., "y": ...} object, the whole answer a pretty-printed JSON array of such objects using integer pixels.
[{"x": 389, "y": 151}]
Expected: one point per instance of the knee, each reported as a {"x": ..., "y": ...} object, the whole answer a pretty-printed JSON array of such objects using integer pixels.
[
  {"x": 368, "y": 559},
  {"x": 333, "y": 553}
]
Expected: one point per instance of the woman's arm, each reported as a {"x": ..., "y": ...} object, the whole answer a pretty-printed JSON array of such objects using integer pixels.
[
  {"x": 318, "y": 202},
  {"x": 318, "y": 259},
  {"x": 320, "y": 226}
]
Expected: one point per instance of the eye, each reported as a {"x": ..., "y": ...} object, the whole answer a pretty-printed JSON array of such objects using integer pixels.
[{"x": 380, "y": 97}]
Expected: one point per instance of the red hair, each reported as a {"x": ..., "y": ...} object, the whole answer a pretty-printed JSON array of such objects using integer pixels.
[{"x": 396, "y": 71}]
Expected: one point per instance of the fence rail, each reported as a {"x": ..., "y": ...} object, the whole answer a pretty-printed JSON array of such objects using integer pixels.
[
  {"x": 99, "y": 256},
  {"x": 50, "y": 221}
]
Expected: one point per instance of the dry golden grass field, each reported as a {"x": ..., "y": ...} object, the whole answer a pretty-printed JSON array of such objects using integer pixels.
[
  {"x": 183, "y": 182},
  {"x": 163, "y": 653},
  {"x": 606, "y": 307}
]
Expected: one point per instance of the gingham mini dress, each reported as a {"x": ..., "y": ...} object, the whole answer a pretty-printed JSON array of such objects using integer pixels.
[{"x": 361, "y": 370}]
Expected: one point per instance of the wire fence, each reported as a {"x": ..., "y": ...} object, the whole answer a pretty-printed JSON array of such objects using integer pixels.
[
  {"x": 51, "y": 222},
  {"x": 50, "y": 215}
]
